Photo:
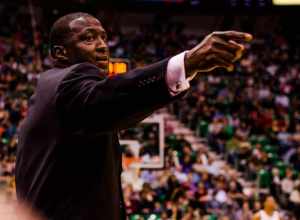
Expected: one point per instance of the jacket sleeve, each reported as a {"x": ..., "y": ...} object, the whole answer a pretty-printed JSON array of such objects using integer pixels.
[{"x": 87, "y": 101}]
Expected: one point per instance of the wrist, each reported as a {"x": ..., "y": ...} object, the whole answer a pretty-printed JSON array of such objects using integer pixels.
[{"x": 190, "y": 68}]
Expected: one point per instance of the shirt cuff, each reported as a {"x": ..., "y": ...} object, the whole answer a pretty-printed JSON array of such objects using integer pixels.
[{"x": 176, "y": 77}]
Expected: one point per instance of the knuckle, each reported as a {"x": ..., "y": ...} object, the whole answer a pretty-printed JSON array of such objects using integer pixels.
[
  {"x": 212, "y": 57},
  {"x": 213, "y": 34},
  {"x": 210, "y": 48},
  {"x": 213, "y": 41},
  {"x": 207, "y": 58}
]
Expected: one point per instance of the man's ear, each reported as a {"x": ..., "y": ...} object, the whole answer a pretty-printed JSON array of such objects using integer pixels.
[{"x": 59, "y": 53}]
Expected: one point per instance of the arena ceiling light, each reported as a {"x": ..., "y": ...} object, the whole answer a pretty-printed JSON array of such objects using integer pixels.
[{"x": 286, "y": 2}]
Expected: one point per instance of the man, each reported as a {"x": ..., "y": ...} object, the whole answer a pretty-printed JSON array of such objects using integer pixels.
[
  {"x": 69, "y": 158},
  {"x": 269, "y": 212}
]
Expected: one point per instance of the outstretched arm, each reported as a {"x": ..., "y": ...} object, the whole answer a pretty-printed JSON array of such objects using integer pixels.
[{"x": 89, "y": 102}]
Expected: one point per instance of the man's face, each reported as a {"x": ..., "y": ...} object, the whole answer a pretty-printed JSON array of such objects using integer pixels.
[
  {"x": 87, "y": 42},
  {"x": 270, "y": 203}
]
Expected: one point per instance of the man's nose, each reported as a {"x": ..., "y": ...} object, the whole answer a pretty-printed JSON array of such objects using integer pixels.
[{"x": 101, "y": 45}]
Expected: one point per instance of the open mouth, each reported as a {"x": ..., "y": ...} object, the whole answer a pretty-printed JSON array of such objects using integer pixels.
[
  {"x": 102, "y": 62},
  {"x": 103, "y": 59}
]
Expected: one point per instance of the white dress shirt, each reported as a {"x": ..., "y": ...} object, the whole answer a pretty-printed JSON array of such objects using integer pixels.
[{"x": 176, "y": 76}]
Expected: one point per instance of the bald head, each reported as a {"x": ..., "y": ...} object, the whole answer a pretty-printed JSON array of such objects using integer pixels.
[
  {"x": 63, "y": 26},
  {"x": 79, "y": 37}
]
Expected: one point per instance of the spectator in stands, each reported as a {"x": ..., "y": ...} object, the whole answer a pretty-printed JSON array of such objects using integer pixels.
[
  {"x": 269, "y": 210},
  {"x": 244, "y": 213},
  {"x": 294, "y": 199}
]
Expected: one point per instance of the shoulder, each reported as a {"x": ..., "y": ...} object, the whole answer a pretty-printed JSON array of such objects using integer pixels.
[
  {"x": 83, "y": 71},
  {"x": 76, "y": 68},
  {"x": 277, "y": 214},
  {"x": 85, "y": 68}
]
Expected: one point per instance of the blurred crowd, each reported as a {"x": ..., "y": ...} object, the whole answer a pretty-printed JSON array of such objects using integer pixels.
[{"x": 251, "y": 119}]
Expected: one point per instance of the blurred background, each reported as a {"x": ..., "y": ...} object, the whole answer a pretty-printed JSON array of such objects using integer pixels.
[{"x": 226, "y": 146}]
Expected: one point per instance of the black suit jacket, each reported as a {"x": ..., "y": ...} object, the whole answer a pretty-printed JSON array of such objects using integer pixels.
[{"x": 68, "y": 157}]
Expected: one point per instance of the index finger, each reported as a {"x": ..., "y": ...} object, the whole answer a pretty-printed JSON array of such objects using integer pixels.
[{"x": 234, "y": 35}]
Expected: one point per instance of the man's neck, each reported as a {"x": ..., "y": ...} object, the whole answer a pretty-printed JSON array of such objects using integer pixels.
[{"x": 269, "y": 211}]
